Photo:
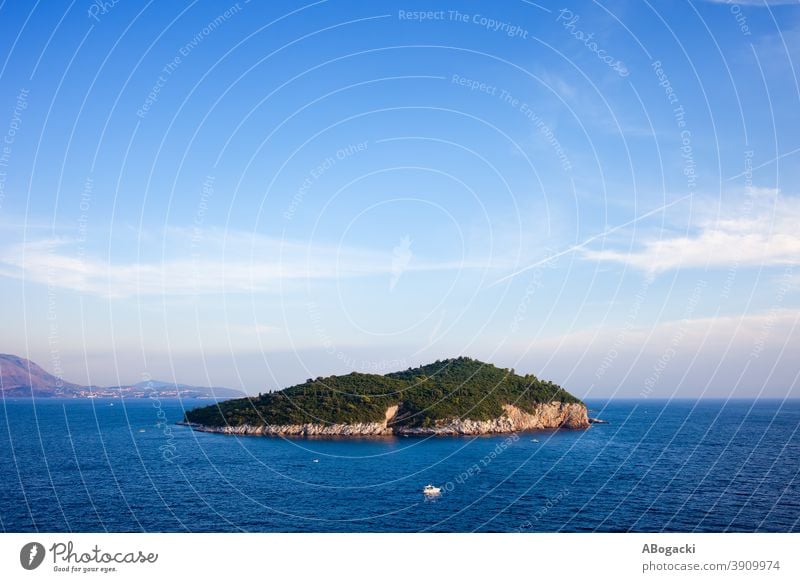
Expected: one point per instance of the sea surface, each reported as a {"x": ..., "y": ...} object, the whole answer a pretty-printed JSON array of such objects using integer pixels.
[{"x": 100, "y": 465}]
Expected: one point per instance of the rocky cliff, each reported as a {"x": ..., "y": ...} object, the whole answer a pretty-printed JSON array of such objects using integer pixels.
[
  {"x": 545, "y": 416},
  {"x": 550, "y": 415}
]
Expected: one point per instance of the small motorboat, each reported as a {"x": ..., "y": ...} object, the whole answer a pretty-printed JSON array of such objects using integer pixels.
[
  {"x": 315, "y": 461},
  {"x": 534, "y": 440},
  {"x": 431, "y": 490}
]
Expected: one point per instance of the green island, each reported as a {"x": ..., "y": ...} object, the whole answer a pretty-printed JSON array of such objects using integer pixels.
[{"x": 453, "y": 396}]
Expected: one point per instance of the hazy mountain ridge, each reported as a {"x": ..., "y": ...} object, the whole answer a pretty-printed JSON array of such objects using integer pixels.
[{"x": 20, "y": 377}]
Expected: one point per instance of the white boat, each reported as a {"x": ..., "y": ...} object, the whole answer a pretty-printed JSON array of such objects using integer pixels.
[
  {"x": 534, "y": 440},
  {"x": 431, "y": 490}
]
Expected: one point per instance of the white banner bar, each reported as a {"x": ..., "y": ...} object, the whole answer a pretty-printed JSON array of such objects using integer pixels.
[{"x": 399, "y": 557}]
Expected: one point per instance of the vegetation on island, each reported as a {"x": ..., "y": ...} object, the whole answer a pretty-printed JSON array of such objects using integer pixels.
[{"x": 454, "y": 388}]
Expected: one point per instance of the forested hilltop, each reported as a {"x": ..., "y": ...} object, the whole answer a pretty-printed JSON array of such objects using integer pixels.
[{"x": 415, "y": 399}]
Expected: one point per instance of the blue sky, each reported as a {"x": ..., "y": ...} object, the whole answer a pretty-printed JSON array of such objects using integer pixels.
[{"x": 248, "y": 194}]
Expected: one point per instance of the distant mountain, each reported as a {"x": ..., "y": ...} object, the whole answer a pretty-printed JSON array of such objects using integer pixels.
[{"x": 20, "y": 377}]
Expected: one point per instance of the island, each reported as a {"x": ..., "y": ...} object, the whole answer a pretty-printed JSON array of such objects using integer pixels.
[{"x": 457, "y": 396}]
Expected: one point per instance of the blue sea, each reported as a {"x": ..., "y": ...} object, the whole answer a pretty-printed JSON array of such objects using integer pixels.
[{"x": 706, "y": 466}]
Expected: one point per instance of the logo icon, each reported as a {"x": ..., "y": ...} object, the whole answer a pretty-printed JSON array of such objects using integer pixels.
[{"x": 31, "y": 555}]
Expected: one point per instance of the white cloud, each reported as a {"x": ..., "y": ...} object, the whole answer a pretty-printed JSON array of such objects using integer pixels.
[
  {"x": 558, "y": 85},
  {"x": 733, "y": 355},
  {"x": 253, "y": 329},
  {"x": 746, "y": 330},
  {"x": 762, "y": 230},
  {"x": 221, "y": 262},
  {"x": 755, "y": 2}
]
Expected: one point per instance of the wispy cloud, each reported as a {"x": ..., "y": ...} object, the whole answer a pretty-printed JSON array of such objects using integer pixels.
[
  {"x": 747, "y": 330},
  {"x": 558, "y": 84},
  {"x": 755, "y": 2},
  {"x": 723, "y": 356},
  {"x": 223, "y": 262},
  {"x": 762, "y": 230}
]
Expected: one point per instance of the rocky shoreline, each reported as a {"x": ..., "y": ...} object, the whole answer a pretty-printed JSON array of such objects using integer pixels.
[{"x": 552, "y": 415}]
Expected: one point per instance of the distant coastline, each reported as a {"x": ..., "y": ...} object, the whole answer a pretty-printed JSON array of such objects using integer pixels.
[{"x": 22, "y": 378}]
